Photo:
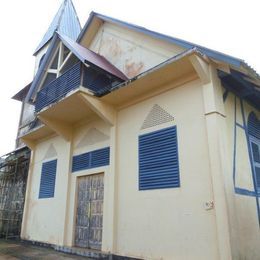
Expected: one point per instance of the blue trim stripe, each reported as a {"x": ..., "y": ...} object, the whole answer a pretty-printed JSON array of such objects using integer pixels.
[
  {"x": 251, "y": 158},
  {"x": 91, "y": 159},
  {"x": 239, "y": 125},
  {"x": 235, "y": 142},
  {"x": 48, "y": 178},
  {"x": 158, "y": 160},
  {"x": 245, "y": 192},
  {"x": 238, "y": 190}
]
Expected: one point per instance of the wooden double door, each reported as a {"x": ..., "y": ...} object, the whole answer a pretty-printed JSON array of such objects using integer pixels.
[{"x": 89, "y": 216}]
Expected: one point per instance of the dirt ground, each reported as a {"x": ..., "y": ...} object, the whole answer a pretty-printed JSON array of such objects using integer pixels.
[{"x": 12, "y": 250}]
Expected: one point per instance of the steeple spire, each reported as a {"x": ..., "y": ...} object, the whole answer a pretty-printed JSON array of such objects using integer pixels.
[{"x": 65, "y": 21}]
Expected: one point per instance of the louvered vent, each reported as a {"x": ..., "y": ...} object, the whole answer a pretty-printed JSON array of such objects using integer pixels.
[
  {"x": 256, "y": 152},
  {"x": 158, "y": 160},
  {"x": 253, "y": 125},
  {"x": 90, "y": 160},
  {"x": 157, "y": 116},
  {"x": 48, "y": 177},
  {"x": 93, "y": 136},
  {"x": 257, "y": 173},
  {"x": 51, "y": 152}
]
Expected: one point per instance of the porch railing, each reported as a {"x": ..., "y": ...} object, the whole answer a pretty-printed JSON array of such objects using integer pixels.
[{"x": 59, "y": 87}]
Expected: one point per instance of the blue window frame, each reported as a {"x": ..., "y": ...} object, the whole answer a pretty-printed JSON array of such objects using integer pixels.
[
  {"x": 158, "y": 160},
  {"x": 91, "y": 159},
  {"x": 48, "y": 178}
]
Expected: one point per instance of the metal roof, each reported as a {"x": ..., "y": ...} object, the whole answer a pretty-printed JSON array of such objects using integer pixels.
[
  {"x": 185, "y": 44},
  {"x": 92, "y": 58},
  {"x": 157, "y": 67},
  {"x": 47, "y": 57},
  {"x": 65, "y": 21},
  {"x": 21, "y": 95},
  {"x": 89, "y": 57},
  {"x": 241, "y": 85},
  {"x": 85, "y": 55}
]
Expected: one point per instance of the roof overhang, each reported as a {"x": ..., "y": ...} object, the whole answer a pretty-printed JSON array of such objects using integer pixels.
[
  {"x": 242, "y": 85},
  {"x": 172, "y": 73},
  {"x": 21, "y": 95},
  {"x": 95, "y": 20},
  {"x": 89, "y": 57}
]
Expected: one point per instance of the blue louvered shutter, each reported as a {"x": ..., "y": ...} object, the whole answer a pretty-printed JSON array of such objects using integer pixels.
[
  {"x": 91, "y": 159},
  {"x": 158, "y": 160},
  {"x": 81, "y": 162},
  {"x": 253, "y": 125},
  {"x": 254, "y": 135},
  {"x": 257, "y": 173},
  {"x": 48, "y": 177},
  {"x": 255, "y": 148},
  {"x": 100, "y": 157}
]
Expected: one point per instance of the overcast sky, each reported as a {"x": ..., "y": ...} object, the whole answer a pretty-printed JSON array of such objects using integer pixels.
[{"x": 228, "y": 26}]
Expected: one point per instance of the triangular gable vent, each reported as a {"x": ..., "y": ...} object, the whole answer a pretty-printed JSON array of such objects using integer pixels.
[
  {"x": 157, "y": 116},
  {"x": 51, "y": 152},
  {"x": 93, "y": 136}
]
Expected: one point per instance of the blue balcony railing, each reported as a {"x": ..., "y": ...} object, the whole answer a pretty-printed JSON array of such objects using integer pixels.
[
  {"x": 59, "y": 87},
  {"x": 91, "y": 78}
]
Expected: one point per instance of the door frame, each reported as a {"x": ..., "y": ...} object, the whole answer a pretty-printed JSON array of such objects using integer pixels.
[{"x": 76, "y": 205}]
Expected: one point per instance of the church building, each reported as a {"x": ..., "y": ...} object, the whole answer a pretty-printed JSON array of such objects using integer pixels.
[{"x": 142, "y": 145}]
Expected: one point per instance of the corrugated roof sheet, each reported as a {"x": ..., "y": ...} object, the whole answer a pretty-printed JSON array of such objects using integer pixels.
[
  {"x": 83, "y": 54},
  {"x": 240, "y": 84},
  {"x": 65, "y": 21},
  {"x": 92, "y": 58},
  {"x": 21, "y": 95}
]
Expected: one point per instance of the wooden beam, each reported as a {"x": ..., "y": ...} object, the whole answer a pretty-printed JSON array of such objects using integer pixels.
[
  {"x": 201, "y": 67},
  {"x": 104, "y": 110},
  {"x": 60, "y": 59},
  {"x": 61, "y": 128},
  {"x": 65, "y": 61},
  {"x": 53, "y": 71}
]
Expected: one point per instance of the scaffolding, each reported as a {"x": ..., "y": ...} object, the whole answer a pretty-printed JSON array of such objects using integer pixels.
[{"x": 13, "y": 177}]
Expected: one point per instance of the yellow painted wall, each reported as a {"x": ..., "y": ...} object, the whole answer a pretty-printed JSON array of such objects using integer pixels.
[
  {"x": 243, "y": 216},
  {"x": 131, "y": 52},
  {"x": 155, "y": 224},
  {"x": 92, "y": 136},
  {"x": 45, "y": 218},
  {"x": 167, "y": 223}
]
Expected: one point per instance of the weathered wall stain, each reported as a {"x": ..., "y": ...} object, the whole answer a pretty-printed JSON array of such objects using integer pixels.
[
  {"x": 133, "y": 69},
  {"x": 111, "y": 47}
]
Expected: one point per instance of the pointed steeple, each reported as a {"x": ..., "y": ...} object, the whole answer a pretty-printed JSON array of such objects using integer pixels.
[{"x": 65, "y": 21}]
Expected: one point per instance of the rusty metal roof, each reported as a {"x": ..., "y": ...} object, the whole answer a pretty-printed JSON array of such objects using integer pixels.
[
  {"x": 65, "y": 21},
  {"x": 91, "y": 58},
  {"x": 85, "y": 55}
]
